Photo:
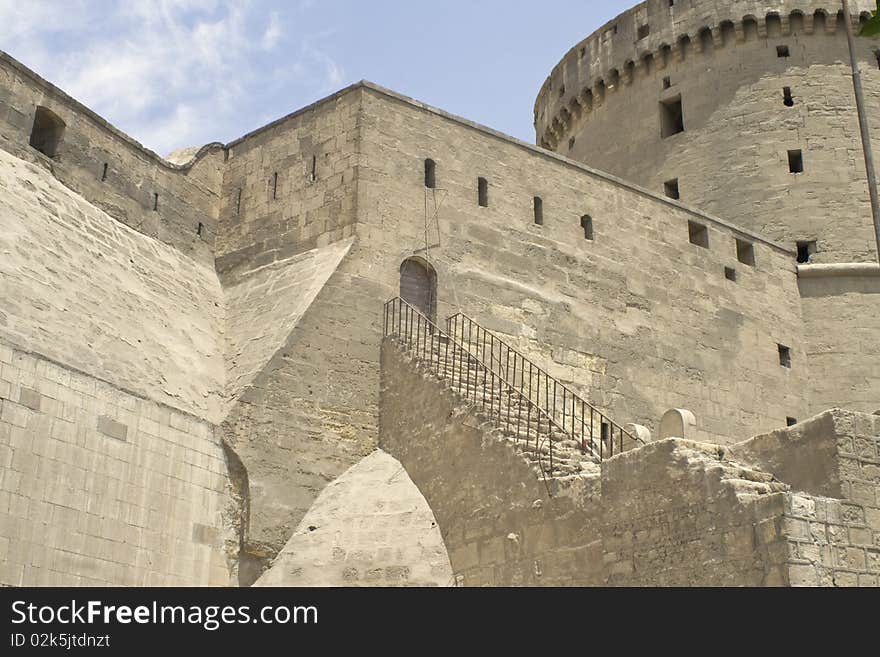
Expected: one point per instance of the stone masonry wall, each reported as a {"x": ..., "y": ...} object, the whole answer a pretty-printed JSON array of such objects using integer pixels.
[
  {"x": 841, "y": 310},
  {"x": 834, "y": 522},
  {"x": 673, "y": 512},
  {"x": 732, "y": 158},
  {"x": 101, "y": 487},
  {"x": 306, "y": 410},
  {"x": 289, "y": 186},
  {"x": 311, "y": 411},
  {"x": 637, "y": 319},
  {"x": 187, "y": 194},
  {"x": 83, "y": 289}
]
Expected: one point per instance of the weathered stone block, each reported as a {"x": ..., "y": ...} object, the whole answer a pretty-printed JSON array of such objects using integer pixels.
[{"x": 110, "y": 427}]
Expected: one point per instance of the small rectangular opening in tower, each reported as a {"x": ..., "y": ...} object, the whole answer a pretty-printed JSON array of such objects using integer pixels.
[
  {"x": 538, "y": 205},
  {"x": 745, "y": 252},
  {"x": 238, "y": 202},
  {"x": 670, "y": 188},
  {"x": 805, "y": 251},
  {"x": 313, "y": 175},
  {"x": 570, "y": 143},
  {"x": 644, "y": 30},
  {"x": 155, "y": 202},
  {"x": 782, "y": 51},
  {"x": 877, "y": 55},
  {"x": 47, "y": 131},
  {"x": 730, "y": 274},
  {"x": 483, "y": 192},
  {"x": 275, "y": 185},
  {"x": 587, "y": 225},
  {"x": 698, "y": 234},
  {"x": 671, "y": 117},
  {"x": 104, "y": 173},
  {"x": 430, "y": 174},
  {"x": 787, "y": 98},
  {"x": 605, "y": 431},
  {"x": 796, "y": 161},
  {"x": 784, "y": 355},
  {"x": 790, "y": 421},
  {"x": 200, "y": 229},
  {"x": 667, "y": 82}
]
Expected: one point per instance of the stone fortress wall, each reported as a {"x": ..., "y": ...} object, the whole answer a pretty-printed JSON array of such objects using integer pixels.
[
  {"x": 111, "y": 380},
  {"x": 175, "y": 203},
  {"x": 798, "y": 506},
  {"x": 729, "y": 65},
  {"x": 639, "y": 302},
  {"x": 637, "y": 318}
]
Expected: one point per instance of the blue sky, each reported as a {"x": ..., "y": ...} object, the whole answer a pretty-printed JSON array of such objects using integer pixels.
[{"x": 175, "y": 73}]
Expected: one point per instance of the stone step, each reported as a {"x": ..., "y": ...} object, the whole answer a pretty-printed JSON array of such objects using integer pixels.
[{"x": 472, "y": 382}]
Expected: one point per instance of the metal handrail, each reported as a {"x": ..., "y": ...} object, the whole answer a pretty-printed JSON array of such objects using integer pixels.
[
  {"x": 403, "y": 320},
  {"x": 534, "y": 381}
]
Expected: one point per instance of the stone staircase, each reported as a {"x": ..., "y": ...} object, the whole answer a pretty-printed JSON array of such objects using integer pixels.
[{"x": 554, "y": 448}]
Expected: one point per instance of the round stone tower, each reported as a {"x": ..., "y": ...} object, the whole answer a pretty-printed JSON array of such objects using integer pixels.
[{"x": 744, "y": 109}]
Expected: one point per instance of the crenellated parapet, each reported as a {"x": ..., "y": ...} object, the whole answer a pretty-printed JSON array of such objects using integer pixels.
[{"x": 653, "y": 35}]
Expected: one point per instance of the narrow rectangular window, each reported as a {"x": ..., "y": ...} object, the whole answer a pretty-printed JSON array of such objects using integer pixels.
[
  {"x": 430, "y": 174},
  {"x": 745, "y": 252},
  {"x": 587, "y": 225},
  {"x": 483, "y": 192},
  {"x": 104, "y": 173},
  {"x": 671, "y": 117},
  {"x": 787, "y": 98},
  {"x": 539, "y": 211},
  {"x": 805, "y": 250},
  {"x": 698, "y": 234},
  {"x": 155, "y": 202},
  {"x": 670, "y": 188},
  {"x": 784, "y": 355},
  {"x": 47, "y": 132},
  {"x": 667, "y": 82},
  {"x": 782, "y": 51},
  {"x": 644, "y": 30},
  {"x": 790, "y": 421},
  {"x": 200, "y": 229},
  {"x": 275, "y": 185},
  {"x": 313, "y": 176},
  {"x": 238, "y": 202},
  {"x": 795, "y": 161},
  {"x": 605, "y": 430},
  {"x": 730, "y": 274}
]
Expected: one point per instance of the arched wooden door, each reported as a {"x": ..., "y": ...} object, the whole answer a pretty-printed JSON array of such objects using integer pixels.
[{"x": 418, "y": 286}]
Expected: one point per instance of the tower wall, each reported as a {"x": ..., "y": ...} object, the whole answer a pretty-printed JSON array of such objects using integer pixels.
[
  {"x": 841, "y": 311},
  {"x": 602, "y": 105}
]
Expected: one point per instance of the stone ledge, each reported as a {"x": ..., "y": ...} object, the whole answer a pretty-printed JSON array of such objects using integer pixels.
[{"x": 839, "y": 270}]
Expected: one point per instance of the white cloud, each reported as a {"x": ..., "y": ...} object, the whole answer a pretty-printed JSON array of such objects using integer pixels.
[
  {"x": 273, "y": 32},
  {"x": 170, "y": 73}
]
